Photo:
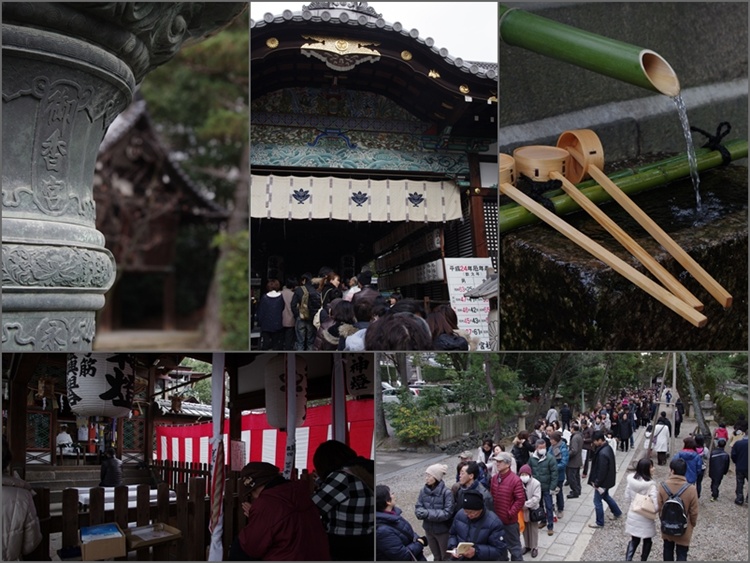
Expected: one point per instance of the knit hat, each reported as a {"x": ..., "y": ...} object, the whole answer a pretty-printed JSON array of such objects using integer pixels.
[
  {"x": 257, "y": 473},
  {"x": 525, "y": 469},
  {"x": 437, "y": 471},
  {"x": 473, "y": 500}
]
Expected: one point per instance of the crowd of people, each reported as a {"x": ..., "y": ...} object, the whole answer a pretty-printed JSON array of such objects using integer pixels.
[
  {"x": 326, "y": 313},
  {"x": 501, "y": 500},
  {"x": 286, "y": 523}
]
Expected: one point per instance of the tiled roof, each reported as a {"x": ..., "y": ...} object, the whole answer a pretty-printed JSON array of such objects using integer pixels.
[{"x": 368, "y": 18}]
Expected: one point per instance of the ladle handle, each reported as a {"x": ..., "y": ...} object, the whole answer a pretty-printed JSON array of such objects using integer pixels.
[
  {"x": 669, "y": 281},
  {"x": 597, "y": 250},
  {"x": 687, "y": 261}
]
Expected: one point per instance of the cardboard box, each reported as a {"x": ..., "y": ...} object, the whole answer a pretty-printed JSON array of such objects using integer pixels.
[
  {"x": 153, "y": 534},
  {"x": 104, "y": 541}
]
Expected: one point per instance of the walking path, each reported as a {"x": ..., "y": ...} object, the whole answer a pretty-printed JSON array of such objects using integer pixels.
[
  {"x": 572, "y": 532},
  {"x": 404, "y": 474}
]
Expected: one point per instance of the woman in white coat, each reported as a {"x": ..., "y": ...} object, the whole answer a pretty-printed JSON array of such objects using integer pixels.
[
  {"x": 637, "y": 526},
  {"x": 662, "y": 437},
  {"x": 533, "y": 498}
]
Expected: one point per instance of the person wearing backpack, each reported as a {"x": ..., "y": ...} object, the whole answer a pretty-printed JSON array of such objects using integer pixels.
[
  {"x": 678, "y": 511},
  {"x": 305, "y": 304}
]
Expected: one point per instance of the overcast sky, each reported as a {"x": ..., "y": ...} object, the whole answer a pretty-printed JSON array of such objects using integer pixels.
[{"x": 467, "y": 29}]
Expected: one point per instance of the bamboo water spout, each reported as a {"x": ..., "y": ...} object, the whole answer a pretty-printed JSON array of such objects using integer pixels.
[{"x": 616, "y": 59}]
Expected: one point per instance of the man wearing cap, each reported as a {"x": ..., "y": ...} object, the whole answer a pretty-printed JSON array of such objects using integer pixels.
[
  {"x": 283, "y": 524},
  {"x": 468, "y": 480},
  {"x": 476, "y": 525},
  {"x": 508, "y": 497},
  {"x": 435, "y": 508}
]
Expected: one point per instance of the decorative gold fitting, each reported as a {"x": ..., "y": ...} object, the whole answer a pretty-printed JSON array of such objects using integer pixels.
[
  {"x": 433, "y": 74},
  {"x": 272, "y": 42},
  {"x": 464, "y": 89},
  {"x": 406, "y": 55}
]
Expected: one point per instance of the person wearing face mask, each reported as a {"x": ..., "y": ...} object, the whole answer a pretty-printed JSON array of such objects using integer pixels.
[
  {"x": 533, "y": 498},
  {"x": 478, "y": 526},
  {"x": 544, "y": 469},
  {"x": 435, "y": 509}
]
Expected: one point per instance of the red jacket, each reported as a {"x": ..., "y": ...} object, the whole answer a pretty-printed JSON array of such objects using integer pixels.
[
  {"x": 508, "y": 495},
  {"x": 285, "y": 525}
]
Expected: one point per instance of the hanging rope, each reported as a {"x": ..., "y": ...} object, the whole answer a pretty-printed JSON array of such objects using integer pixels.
[{"x": 714, "y": 141}]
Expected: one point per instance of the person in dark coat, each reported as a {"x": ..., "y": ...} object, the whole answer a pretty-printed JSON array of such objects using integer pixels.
[
  {"x": 603, "y": 477},
  {"x": 111, "y": 470},
  {"x": 522, "y": 448},
  {"x": 679, "y": 414},
  {"x": 283, "y": 524},
  {"x": 435, "y": 508},
  {"x": 469, "y": 480},
  {"x": 626, "y": 429},
  {"x": 476, "y": 525},
  {"x": 739, "y": 457},
  {"x": 575, "y": 461},
  {"x": 395, "y": 539},
  {"x": 270, "y": 317},
  {"x": 718, "y": 466},
  {"x": 566, "y": 415}
]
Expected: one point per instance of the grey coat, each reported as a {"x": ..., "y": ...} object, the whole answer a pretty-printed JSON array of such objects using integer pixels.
[
  {"x": 575, "y": 450},
  {"x": 438, "y": 503}
]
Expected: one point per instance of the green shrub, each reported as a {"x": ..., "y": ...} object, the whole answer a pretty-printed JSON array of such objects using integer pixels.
[
  {"x": 412, "y": 423},
  {"x": 729, "y": 410}
]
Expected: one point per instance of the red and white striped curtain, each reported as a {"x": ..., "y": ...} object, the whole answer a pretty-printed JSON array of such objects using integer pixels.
[{"x": 191, "y": 443}]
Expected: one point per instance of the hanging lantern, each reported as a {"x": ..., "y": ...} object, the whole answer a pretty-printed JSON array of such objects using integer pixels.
[
  {"x": 360, "y": 374},
  {"x": 101, "y": 384},
  {"x": 276, "y": 389}
]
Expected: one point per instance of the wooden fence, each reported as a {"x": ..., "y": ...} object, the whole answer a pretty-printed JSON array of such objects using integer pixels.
[
  {"x": 189, "y": 512},
  {"x": 174, "y": 472},
  {"x": 456, "y": 425}
]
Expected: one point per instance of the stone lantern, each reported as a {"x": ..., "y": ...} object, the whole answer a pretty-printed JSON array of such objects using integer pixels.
[
  {"x": 523, "y": 412},
  {"x": 69, "y": 68},
  {"x": 708, "y": 407}
]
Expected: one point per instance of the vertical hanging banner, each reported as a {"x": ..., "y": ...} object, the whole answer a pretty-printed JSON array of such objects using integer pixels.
[
  {"x": 463, "y": 275},
  {"x": 276, "y": 390}
]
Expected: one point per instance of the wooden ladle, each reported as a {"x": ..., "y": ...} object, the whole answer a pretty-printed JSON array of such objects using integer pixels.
[
  {"x": 587, "y": 155},
  {"x": 620, "y": 266}
]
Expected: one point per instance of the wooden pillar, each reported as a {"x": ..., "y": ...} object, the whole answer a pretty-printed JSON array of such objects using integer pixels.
[
  {"x": 21, "y": 372},
  {"x": 476, "y": 209}
]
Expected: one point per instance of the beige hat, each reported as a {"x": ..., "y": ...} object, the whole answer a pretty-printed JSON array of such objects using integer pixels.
[{"x": 437, "y": 471}]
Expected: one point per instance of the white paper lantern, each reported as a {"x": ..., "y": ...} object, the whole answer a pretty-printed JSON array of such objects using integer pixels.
[
  {"x": 275, "y": 380},
  {"x": 360, "y": 374},
  {"x": 101, "y": 384}
]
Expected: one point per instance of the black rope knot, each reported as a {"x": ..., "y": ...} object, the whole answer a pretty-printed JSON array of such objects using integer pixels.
[
  {"x": 714, "y": 141},
  {"x": 535, "y": 190}
]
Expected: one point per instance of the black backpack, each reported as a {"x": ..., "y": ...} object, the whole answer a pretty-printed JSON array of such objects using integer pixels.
[{"x": 674, "y": 521}]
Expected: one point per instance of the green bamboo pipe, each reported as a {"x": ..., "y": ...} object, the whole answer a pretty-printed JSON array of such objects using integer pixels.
[
  {"x": 609, "y": 57},
  {"x": 513, "y": 216}
]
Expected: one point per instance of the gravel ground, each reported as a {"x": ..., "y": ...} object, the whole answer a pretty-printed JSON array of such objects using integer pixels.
[{"x": 721, "y": 533}]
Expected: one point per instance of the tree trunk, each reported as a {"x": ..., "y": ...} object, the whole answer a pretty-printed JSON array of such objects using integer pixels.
[
  {"x": 381, "y": 428},
  {"x": 238, "y": 221},
  {"x": 694, "y": 399},
  {"x": 543, "y": 396},
  {"x": 603, "y": 384}
]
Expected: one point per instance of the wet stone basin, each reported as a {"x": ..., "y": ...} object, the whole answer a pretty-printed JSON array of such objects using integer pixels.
[{"x": 556, "y": 296}]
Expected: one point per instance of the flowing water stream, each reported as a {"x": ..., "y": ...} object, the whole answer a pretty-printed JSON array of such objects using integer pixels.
[{"x": 692, "y": 161}]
